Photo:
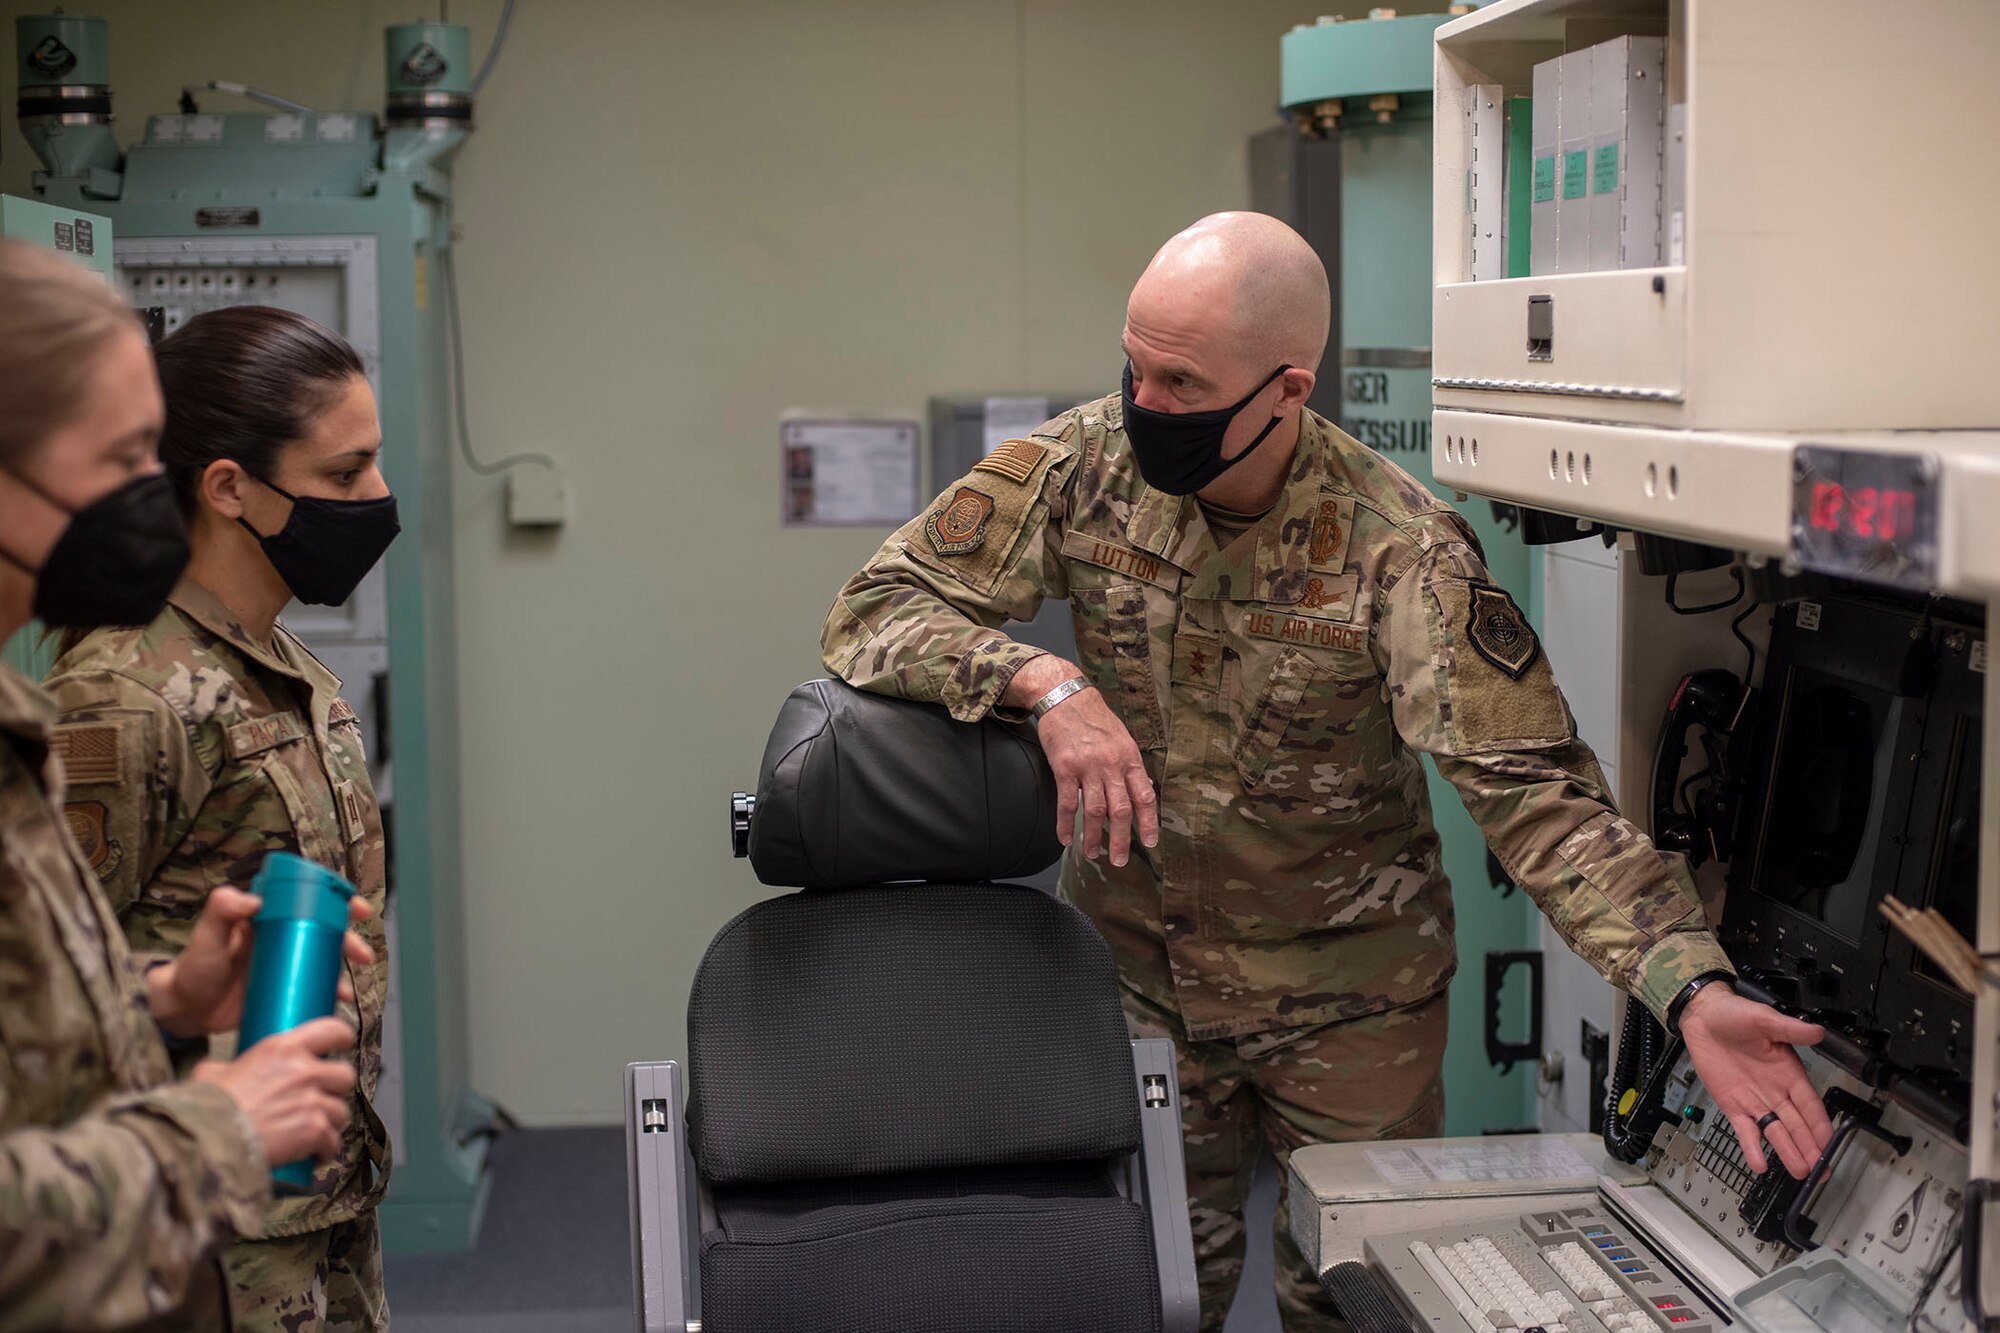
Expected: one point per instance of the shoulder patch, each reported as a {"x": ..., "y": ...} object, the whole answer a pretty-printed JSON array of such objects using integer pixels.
[
  {"x": 86, "y": 822},
  {"x": 1016, "y": 460},
  {"x": 958, "y": 526},
  {"x": 89, "y": 753},
  {"x": 341, "y": 711},
  {"x": 1499, "y": 632}
]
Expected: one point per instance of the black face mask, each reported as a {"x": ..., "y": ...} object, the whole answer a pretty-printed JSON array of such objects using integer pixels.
[
  {"x": 1181, "y": 452},
  {"x": 327, "y": 547},
  {"x": 116, "y": 561}
]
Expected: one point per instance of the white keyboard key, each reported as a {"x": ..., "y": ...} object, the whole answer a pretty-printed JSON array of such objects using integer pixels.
[{"x": 1435, "y": 1266}]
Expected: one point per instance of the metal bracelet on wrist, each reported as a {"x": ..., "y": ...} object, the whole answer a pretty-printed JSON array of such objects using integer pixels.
[
  {"x": 1074, "y": 685},
  {"x": 1678, "y": 1005}
]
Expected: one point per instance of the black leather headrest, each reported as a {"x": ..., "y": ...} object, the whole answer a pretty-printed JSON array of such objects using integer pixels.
[{"x": 860, "y": 788}]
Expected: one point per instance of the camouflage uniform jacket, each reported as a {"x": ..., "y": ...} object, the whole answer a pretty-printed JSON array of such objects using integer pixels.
[
  {"x": 1280, "y": 691},
  {"x": 193, "y": 752},
  {"x": 117, "y": 1186}
]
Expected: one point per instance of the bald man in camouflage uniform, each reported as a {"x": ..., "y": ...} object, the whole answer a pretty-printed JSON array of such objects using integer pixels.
[{"x": 1267, "y": 652}]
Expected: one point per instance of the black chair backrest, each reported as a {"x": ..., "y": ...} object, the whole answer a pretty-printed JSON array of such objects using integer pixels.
[
  {"x": 860, "y": 789},
  {"x": 904, "y": 1027}
]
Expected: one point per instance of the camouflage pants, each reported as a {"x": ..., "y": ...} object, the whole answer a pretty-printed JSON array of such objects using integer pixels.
[
  {"x": 326, "y": 1281},
  {"x": 1379, "y": 1077}
]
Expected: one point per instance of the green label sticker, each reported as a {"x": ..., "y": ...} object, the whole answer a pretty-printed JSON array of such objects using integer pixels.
[
  {"x": 1604, "y": 175},
  {"x": 1576, "y": 173},
  {"x": 1545, "y": 179}
]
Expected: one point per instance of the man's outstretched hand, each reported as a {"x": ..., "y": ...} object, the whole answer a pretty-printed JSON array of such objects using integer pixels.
[{"x": 1742, "y": 1051}]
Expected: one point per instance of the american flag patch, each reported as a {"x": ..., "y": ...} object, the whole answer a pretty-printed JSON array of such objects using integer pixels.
[
  {"x": 89, "y": 753},
  {"x": 1015, "y": 460}
]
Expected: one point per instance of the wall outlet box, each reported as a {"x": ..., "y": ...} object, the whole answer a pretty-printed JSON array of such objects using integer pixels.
[{"x": 537, "y": 497}]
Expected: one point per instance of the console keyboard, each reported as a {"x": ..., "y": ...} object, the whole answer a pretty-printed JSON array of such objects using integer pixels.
[{"x": 1575, "y": 1270}]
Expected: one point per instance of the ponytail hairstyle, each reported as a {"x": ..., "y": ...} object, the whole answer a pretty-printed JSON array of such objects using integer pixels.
[{"x": 240, "y": 384}]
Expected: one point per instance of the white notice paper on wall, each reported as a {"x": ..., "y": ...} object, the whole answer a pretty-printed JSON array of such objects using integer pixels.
[
  {"x": 835, "y": 472},
  {"x": 1011, "y": 418},
  {"x": 1424, "y": 1164}
]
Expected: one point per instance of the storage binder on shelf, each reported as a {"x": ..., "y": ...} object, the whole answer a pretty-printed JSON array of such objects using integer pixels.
[
  {"x": 1576, "y": 126},
  {"x": 1628, "y": 116},
  {"x": 1545, "y": 111}
]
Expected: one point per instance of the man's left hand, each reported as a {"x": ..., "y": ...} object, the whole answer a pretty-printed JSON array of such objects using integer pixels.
[
  {"x": 1742, "y": 1051},
  {"x": 201, "y": 990}
]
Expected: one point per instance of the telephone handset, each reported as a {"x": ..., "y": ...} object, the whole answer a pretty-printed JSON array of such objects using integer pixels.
[{"x": 1715, "y": 701}]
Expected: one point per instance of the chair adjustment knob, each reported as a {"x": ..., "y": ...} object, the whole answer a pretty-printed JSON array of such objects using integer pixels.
[{"x": 742, "y": 809}]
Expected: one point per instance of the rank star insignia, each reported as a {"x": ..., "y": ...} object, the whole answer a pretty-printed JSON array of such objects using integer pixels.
[
  {"x": 959, "y": 526},
  {"x": 1500, "y": 633}
]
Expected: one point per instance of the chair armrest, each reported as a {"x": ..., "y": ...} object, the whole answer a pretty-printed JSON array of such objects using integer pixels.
[
  {"x": 1163, "y": 1182},
  {"x": 662, "y": 1187}
]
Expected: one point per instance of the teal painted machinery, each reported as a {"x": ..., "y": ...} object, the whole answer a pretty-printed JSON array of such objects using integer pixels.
[
  {"x": 1366, "y": 84},
  {"x": 346, "y": 218}
]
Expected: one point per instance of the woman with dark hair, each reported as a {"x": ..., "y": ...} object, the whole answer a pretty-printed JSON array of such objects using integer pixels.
[
  {"x": 118, "y": 1187},
  {"x": 223, "y": 739}
]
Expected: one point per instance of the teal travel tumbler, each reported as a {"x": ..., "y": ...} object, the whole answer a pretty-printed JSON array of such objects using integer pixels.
[{"x": 294, "y": 963}]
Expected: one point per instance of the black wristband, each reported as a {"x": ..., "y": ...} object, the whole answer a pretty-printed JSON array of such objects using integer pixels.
[
  {"x": 179, "y": 1045},
  {"x": 175, "y": 1045},
  {"x": 1679, "y": 1003}
]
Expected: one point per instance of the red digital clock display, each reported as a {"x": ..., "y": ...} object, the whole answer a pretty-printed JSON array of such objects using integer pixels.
[
  {"x": 1872, "y": 513},
  {"x": 1866, "y": 514}
]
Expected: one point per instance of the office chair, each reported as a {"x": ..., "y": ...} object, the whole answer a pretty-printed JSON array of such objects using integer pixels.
[{"x": 915, "y": 1106}]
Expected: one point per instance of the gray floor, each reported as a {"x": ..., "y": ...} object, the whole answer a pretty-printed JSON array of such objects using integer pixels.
[
  {"x": 554, "y": 1255},
  {"x": 1256, "y": 1309}
]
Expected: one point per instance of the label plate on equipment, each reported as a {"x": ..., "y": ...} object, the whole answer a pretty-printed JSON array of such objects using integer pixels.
[{"x": 1866, "y": 515}]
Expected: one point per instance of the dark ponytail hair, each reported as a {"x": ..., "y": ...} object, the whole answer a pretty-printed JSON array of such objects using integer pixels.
[{"x": 241, "y": 383}]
